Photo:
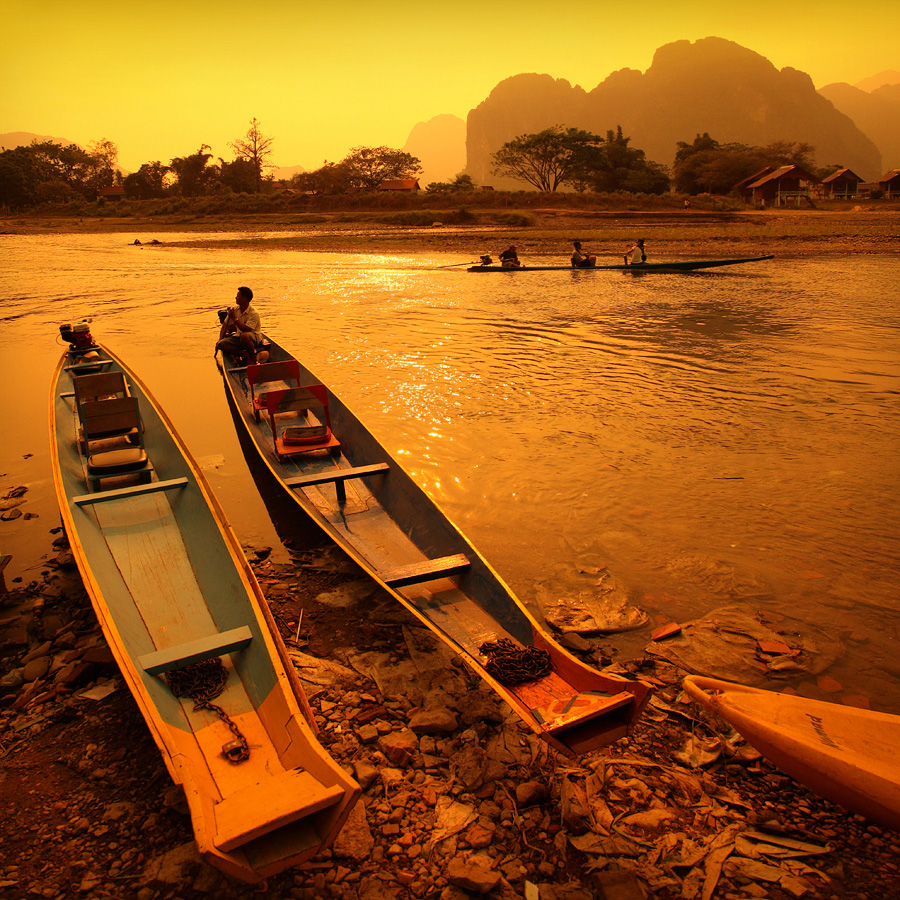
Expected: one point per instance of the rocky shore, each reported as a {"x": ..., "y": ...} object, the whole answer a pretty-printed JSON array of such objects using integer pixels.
[{"x": 459, "y": 799}]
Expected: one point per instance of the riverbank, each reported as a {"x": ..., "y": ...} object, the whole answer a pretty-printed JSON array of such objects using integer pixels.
[
  {"x": 460, "y": 800},
  {"x": 538, "y": 232}
]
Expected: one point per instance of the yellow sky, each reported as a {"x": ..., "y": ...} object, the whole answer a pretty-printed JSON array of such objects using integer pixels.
[{"x": 161, "y": 77}]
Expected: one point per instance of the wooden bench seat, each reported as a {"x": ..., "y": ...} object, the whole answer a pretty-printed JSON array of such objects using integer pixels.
[
  {"x": 182, "y": 655},
  {"x": 427, "y": 570},
  {"x": 337, "y": 476},
  {"x": 131, "y": 491},
  {"x": 271, "y": 804}
]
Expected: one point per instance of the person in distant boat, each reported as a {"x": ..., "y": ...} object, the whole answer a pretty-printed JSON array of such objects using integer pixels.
[
  {"x": 241, "y": 331},
  {"x": 509, "y": 258},
  {"x": 580, "y": 259},
  {"x": 635, "y": 254}
]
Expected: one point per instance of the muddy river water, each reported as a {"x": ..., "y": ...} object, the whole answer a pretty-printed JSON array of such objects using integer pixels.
[{"x": 701, "y": 440}]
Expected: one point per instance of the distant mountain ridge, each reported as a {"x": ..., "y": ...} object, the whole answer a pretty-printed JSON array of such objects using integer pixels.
[
  {"x": 889, "y": 76},
  {"x": 440, "y": 145},
  {"x": 876, "y": 112},
  {"x": 711, "y": 85},
  {"x": 13, "y": 139}
]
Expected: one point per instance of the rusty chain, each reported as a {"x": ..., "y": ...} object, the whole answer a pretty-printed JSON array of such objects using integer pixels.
[
  {"x": 203, "y": 682},
  {"x": 511, "y": 663}
]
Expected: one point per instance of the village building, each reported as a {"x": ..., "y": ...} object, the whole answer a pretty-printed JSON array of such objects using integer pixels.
[
  {"x": 889, "y": 184},
  {"x": 843, "y": 184},
  {"x": 115, "y": 192},
  {"x": 410, "y": 185},
  {"x": 781, "y": 187}
]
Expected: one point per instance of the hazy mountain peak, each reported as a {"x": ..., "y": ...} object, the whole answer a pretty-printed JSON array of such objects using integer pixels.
[{"x": 888, "y": 76}]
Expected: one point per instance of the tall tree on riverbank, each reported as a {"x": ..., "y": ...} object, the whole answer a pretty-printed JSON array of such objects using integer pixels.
[
  {"x": 368, "y": 167},
  {"x": 548, "y": 158},
  {"x": 191, "y": 172},
  {"x": 256, "y": 148}
]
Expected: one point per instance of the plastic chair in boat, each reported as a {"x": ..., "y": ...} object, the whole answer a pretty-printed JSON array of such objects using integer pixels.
[
  {"x": 98, "y": 386},
  {"x": 267, "y": 373},
  {"x": 113, "y": 439},
  {"x": 298, "y": 434}
]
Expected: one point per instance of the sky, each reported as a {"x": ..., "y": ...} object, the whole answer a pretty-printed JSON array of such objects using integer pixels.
[{"x": 162, "y": 77}]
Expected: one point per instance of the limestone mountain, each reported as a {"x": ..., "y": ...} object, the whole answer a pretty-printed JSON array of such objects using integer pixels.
[
  {"x": 13, "y": 139},
  {"x": 710, "y": 85},
  {"x": 888, "y": 76},
  {"x": 440, "y": 145},
  {"x": 876, "y": 112}
]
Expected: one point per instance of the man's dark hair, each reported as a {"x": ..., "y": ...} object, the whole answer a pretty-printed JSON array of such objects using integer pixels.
[{"x": 245, "y": 292}]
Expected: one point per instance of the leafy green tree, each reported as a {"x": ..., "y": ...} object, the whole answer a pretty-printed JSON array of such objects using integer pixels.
[
  {"x": 191, "y": 172},
  {"x": 614, "y": 166},
  {"x": 21, "y": 172},
  {"x": 240, "y": 176},
  {"x": 255, "y": 148},
  {"x": 708, "y": 166},
  {"x": 368, "y": 167},
  {"x": 148, "y": 182},
  {"x": 460, "y": 183},
  {"x": 546, "y": 159},
  {"x": 104, "y": 169},
  {"x": 331, "y": 178}
]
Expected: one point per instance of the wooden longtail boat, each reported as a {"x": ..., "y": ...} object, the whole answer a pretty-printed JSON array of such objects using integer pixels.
[
  {"x": 346, "y": 482},
  {"x": 687, "y": 265},
  {"x": 178, "y": 604},
  {"x": 849, "y": 755}
]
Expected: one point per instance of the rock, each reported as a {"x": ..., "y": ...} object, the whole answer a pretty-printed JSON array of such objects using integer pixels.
[
  {"x": 12, "y": 680},
  {"x": 173, "y": 798},
  {"x": 471, "y": 876},
  {"x": 174, "y": 868},
  {"x": 531, "y": 793},
  {"x": 36, "y": 668},
  {"x": 367, "y": 733},
  {"x": 434, "y": 721},
  {"x": 355, "y": 840},
  {"x": 399, "y": 746},
  {"x": 364, "y": 773},
  {"x": 115, "y": 812},
  {"x": 575, "y": 642},
  {"x": 468, "y": 766}
]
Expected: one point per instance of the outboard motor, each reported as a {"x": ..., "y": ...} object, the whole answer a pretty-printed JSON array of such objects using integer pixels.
[{"x": 78, "y": 336}]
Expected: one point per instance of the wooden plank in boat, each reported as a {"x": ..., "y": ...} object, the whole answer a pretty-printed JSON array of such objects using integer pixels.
[
  {"x": 335, "y": 474},
  {"x": 131, "y": 491},
  {"x": 263, "y": 807},
  {"x": 148, "y": 548},
  {"x": 427, "y": 570},
  {"x": 177, "y": 657}
]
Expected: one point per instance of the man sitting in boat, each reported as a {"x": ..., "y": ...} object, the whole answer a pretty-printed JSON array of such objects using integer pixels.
[
  {"x": 509, "y": 258},
  {"x": 635, "y": 254},
  {"x": 241, "y": 333},
  {"x": 581, "y": 260}
]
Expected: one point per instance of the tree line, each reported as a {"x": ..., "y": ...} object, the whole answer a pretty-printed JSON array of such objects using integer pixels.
[{"x": 51, "y": 173}]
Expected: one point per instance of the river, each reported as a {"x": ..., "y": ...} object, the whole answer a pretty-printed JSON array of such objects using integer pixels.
[{"x": 709, "y": 439}]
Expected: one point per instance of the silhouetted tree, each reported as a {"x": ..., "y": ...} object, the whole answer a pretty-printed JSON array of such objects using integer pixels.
[
  {"x": 148, "y": 182},
  {"x": 547, "y": 158},
  {"x": 708, "y": 166},
  {"x": 460, "y": 183},
  {"x": 331, "y": 178},
  {"x": 368, "y": 167},
  {"x": 255, "y": 148},
  {"x": 191, "y": 173}
]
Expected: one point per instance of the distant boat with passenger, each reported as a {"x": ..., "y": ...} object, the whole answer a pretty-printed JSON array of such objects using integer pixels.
[{"x": 685, "y": 265}]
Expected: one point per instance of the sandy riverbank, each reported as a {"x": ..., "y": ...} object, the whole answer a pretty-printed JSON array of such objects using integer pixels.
[{"x": 863, "y": 229}]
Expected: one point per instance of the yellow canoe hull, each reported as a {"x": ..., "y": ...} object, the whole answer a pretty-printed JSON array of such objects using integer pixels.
[{"x": 848, "y": 755}]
